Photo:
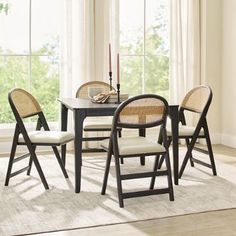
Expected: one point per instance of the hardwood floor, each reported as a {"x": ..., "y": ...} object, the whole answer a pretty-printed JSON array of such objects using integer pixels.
[{"x": 216, "y": 223}]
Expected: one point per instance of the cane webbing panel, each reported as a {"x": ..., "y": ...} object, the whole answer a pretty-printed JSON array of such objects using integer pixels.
[
  {"x": 26, "y": 105},
  {"x": 83, "y": 91},
  {"x": 196, "y": 99},
  {"x": 142, "y": 111}
]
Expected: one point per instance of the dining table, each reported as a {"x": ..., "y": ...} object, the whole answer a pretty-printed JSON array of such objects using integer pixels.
[{"x": 82, "y": 108}]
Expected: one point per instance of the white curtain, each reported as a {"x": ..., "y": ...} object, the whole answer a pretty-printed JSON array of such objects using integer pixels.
[
  {"x": 184, "y": 47},
  {"x": 86, "y": 30},
  {"x": 77, "y": 45}
]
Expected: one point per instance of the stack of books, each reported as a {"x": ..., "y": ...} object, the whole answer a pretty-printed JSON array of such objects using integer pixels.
[{"x": 113, "y": 98}]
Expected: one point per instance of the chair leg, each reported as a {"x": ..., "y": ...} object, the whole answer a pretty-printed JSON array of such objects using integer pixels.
[
  {"x": 63, "y": 154},
  {"x": 187, "y": 155},
  {"x": 118, "y": 179},
  {"x": 191, "y": 156},
  {"x": 30, "y": 162},
  {"x": 11, "y": 160},
  {"x": 154, "y": 170},
  {"x": 163, "y": 157},
  {"x": 169, "y": 179},
  {"x": 38, "y": 167},
  {"x": 107, "y": 168},
  {"x": 60, "y": 161},
  {"x": 209, "y": 147},
  {"x": 30, "y": 166}
]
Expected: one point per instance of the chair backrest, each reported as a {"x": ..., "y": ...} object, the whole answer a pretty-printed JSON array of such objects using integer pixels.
[
  {"x": 23, "y": 103},
  {"x": 142, "y": 111},
  {"x": 83, "y": 90},
  {"x": 198, "y": 99}
]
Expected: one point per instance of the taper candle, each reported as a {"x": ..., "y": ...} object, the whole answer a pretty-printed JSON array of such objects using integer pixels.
[
  {"x": 110, "y": 57},
  {"x": 118, "y": 68}
]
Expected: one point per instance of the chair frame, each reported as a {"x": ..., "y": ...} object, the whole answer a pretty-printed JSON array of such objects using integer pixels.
[
  {"x": 98, "y": 138},
  {"x": 20, "y": 129},
  {"x": 192, "y": 139},
  {"x": 114, "y": 150}
]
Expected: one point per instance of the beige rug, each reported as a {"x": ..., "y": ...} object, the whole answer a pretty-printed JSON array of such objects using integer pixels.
[{"x": 25, "y": 207}]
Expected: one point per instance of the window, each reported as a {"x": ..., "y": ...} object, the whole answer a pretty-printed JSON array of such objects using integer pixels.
[
  {"x": 29, "y": 53},
  {"x": 144, "y": 46}
]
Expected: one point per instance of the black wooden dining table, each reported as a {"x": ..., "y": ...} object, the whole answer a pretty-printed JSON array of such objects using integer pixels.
[{"x": 82, "y": 108}]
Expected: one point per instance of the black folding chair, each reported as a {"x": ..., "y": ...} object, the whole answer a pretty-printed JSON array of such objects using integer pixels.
[
  {"x": 95, "y": 124},
  {"x": 24, "y": 105},
  {"x": 140, "y": 112},
  {"x": 196, "y": 101}
]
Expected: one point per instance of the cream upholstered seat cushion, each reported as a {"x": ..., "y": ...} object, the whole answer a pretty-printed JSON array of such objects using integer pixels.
[
  {"x": 98, "y": 123},
  {"x": 184, "y": 131},
  {"x": 52, "y": 137},
  {"x": 135, "y": 145}
]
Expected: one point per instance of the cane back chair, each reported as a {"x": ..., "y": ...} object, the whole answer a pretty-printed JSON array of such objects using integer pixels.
[
  {"x": 198, "y": 101},
  {"x": 24, "y": 105},
  {"x": 95, "y": 124},
  {"x": 139, "y": 112}
]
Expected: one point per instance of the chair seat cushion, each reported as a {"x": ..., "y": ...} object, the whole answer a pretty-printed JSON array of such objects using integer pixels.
[
  {"x": 136, "y": 145},
  {"x": 98, "y": 123},
  {"x": 51, "y": 137},
  {"x": 184, "y": 131}
]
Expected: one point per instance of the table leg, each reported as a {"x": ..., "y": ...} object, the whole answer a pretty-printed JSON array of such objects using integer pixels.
[
  {"x": 64, "y": 118},
  {"x": 142, "y": 133},
  {"x": 79, "y": 117},
  {"x": 174, "y": 115}
]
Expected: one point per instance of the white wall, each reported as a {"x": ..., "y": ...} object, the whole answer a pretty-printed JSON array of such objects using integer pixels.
[
  {"x": 218, "y": 68},
  {"x": 228, "y": 82},
  {"x": 211, "y": 63}
]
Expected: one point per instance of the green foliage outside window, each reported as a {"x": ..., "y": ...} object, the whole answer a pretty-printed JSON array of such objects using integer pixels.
[
  {"x": 4, "y": 7},
  {"x": 155, "y": 62},
  {"x": 44, "y": 82}
]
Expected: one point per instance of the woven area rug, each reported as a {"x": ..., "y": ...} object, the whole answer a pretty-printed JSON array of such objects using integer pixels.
[{"x": 25, "y": 207}]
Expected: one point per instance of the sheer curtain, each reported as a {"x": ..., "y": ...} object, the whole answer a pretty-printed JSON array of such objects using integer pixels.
[
  {"x": 86, "y": 34},
  {"x": 77, "y": 45},
  {"x": 184, "y": 47}
]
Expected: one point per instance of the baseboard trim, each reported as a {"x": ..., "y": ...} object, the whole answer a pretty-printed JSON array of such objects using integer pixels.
[
  {"x": 228, "y": 140},
  {"x": 215, "y": 138}
]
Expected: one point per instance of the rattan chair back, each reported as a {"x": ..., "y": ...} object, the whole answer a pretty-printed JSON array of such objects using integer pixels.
[
  {"x": 23, "y": 103},
  {"x": 198, "y": 99},
  {"x": 142, "y": 111},
  {"x": 83, "y": 91}
]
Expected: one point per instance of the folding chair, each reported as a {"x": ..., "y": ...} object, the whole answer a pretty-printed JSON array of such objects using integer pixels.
[
  {"x": 196, "y": 101},
  {"x": 24, "y": 105},
  {"x": 95, "y": 124},
  {"x": 139, "y": 112}
]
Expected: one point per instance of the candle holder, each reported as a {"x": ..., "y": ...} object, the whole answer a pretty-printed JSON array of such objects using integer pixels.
[
  {"x": 118, "y": 93},
  {"x": 110, "y": 78}
]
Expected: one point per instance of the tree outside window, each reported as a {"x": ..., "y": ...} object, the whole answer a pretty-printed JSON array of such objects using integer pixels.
[{"x": 144, "y": 46}]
